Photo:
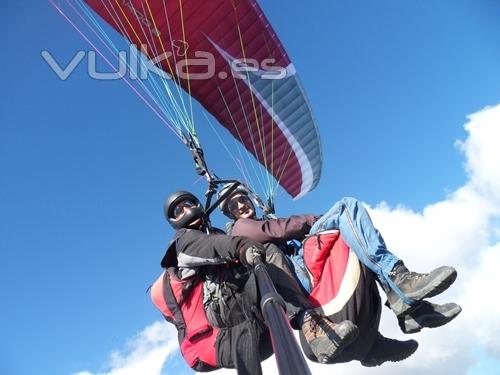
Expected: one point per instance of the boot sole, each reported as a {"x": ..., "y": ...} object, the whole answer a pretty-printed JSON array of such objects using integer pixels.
[
  {"x": 374, "y": 362},
  {"x": 412, "y": 326},
  {"x": 437, "y": 287}
]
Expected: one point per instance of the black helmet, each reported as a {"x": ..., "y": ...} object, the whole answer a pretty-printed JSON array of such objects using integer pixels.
[
  {"x": 240, "y": 189},
  {"x": 192, "y": 213}
]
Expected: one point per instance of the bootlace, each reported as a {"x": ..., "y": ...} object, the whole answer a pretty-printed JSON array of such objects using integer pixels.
[
  {"x": 415, "y": 275},
  {"x": 314, "y": 326}
]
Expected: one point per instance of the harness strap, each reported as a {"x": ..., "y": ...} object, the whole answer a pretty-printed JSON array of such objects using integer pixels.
[{"x": 171, "y": 301}]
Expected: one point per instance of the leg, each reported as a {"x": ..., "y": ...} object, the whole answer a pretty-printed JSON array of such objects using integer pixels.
[
  {"x": 352, "y": 219},
  {"x": 244, "y": 349},
  {"x": 403, "y": 288},
  {"x": 286, "y": 284},
  {"x": 325, "y": 338},
  {"x": 244, "y": 338}
]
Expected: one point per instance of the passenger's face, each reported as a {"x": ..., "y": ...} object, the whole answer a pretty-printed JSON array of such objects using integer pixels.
[{"x": 240, "y": 206}]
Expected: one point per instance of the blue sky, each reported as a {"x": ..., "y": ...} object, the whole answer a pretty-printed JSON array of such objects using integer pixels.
[{"x": 85, "y": 166}]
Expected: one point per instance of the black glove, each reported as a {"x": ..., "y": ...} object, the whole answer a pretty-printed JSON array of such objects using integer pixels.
[{"x": 249, "y": 254}]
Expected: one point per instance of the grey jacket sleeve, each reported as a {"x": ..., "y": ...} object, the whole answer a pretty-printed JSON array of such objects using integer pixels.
[{"x": 195, "y": 248}]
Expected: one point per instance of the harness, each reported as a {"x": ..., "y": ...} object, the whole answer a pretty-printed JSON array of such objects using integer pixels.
[{"x": 181, "y": 303}]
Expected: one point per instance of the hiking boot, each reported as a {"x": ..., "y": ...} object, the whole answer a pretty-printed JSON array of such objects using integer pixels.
[
  {"x": 422, "y": 285},
  {"x": 384, "y": 350},
  {"x": 326, "y": 338},
  {"x": 426, "y": 314}
]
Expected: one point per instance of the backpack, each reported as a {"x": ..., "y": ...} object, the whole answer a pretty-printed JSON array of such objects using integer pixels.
[{"x": 181, "y": 303}]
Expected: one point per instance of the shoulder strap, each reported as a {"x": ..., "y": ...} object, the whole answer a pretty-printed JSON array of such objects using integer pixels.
[
  {"x": 170, "y": 257},
  {"x": 170, "y": 299}
]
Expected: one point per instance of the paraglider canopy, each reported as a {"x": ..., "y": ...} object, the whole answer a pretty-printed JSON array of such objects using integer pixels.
[{"x": 226, "y": 55}]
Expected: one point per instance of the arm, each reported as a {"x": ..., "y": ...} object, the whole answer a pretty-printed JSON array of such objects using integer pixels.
[
  {"x": 195, "y": 248},
  {"x": 276, "y": 231}
]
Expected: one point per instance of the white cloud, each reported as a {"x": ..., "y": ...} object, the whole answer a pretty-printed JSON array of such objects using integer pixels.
[
  {"x": 461, "y": 230},
  {"x": 480, "y": 295},
  {"x": 483, "y": 154},
  {"x": 145, "y": 354}
]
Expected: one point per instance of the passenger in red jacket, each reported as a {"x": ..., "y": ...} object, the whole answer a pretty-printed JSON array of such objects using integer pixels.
[
  {"x": 405, "y": 290},
  {"x": 230, "y": 297}
]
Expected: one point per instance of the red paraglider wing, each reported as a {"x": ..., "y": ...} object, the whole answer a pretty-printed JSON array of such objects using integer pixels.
[{"x": 225, "y": 54}]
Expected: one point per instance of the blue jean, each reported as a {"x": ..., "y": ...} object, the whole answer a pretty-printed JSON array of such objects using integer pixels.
[{"x": 350, "y": 217}]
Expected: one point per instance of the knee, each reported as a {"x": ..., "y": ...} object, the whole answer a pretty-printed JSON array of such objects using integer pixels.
[
  {"x": 349, "y": 201},
  {"x": 273, "y": 253}
]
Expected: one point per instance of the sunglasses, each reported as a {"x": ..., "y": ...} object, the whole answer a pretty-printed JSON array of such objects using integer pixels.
[
  {"x": 233, "y": 204},
  {"x": 181, "y": 206}
]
